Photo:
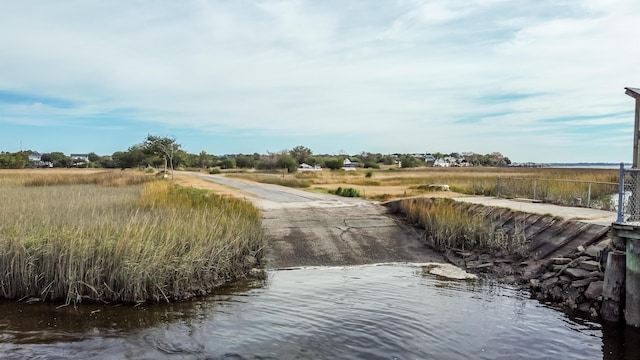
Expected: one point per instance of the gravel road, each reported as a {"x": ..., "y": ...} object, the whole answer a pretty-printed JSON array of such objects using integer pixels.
[{"x": 309, "y": 229}]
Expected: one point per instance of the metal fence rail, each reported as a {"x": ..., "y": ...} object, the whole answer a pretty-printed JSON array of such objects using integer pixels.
[
  {"x": 592, "y": 194},
  {"x": 629, "y": 196}
]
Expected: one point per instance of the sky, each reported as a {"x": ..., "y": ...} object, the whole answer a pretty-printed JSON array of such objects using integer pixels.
[{"x": 537, "y": 80}]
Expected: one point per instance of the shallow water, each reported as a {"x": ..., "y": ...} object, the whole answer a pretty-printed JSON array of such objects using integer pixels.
[{"x": 366, "y": 312}]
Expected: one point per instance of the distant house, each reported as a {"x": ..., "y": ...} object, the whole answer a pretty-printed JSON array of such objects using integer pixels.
[
  {"x": 35, "y": 157},
  {"x": 80, "y": 159},
  {"x": 307, "y": 167},
  {"x": 35, "y": 160},
  {"x": 441, "y": 163},
  {"x": 348, "y": 165}
]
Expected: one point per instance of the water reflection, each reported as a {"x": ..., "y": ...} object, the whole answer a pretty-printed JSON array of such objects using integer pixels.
[{"x": 364, "y": 312}]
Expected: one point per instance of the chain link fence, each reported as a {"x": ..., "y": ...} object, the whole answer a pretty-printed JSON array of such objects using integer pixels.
[
  {"x": 629, "y": 196},
  {"x": 591, "y": 194}
]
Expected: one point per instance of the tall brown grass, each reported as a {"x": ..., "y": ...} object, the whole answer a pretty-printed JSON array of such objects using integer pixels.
[
  {"x": 289, "y": 181},
  {"x": 449, "y": 225},
  {"x": 133, "y": 243},
  {"x": 386, "y": 184}
]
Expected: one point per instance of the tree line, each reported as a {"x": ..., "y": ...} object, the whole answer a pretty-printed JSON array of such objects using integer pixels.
[{"x": 167, "y": 153}]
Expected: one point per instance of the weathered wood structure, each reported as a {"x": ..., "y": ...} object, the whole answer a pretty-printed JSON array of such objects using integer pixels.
[
  {"x": 626, "y": 237},
  {"x": 635, "y": 93}
]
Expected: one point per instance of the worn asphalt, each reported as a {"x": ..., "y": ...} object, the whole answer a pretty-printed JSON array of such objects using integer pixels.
[{"x": 309, "y": 229}]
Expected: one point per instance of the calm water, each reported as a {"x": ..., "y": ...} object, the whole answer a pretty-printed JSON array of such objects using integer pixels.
[{"x": 369, "y": 312}]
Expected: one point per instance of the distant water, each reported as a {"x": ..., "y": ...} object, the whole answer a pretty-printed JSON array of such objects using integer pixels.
[
  {"x": 364, "y": 312},
  {"x": 588, "y": 165}
]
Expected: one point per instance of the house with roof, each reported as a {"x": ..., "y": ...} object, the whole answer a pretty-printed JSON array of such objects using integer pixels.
[
  {"x": 307, "y": 167},
  {"x": 348, "y": 165},
  {"x": 80, "y": 159}
]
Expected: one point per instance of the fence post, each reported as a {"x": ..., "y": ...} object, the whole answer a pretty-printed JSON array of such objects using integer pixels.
[
  {"x": 621, "y": 195},
  {"x": 534, "y": 190},
  {"x": 589, "y": 196},
  {"x": 498, "y": 187}
]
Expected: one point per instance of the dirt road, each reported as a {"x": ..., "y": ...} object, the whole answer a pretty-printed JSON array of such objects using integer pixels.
[{"x": 309, "y": 229}]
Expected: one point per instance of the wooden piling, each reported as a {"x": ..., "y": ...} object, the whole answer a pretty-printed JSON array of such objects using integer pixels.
[
  {"x": 614, "y": 287},
  {"x": 632, "y": 306}
]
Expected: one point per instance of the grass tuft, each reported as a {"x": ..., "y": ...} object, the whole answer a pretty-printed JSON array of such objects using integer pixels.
[{"x": 448, "y": 225}]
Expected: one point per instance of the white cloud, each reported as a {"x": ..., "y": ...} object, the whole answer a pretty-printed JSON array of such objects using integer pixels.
[{"x": 375, "y": 69}]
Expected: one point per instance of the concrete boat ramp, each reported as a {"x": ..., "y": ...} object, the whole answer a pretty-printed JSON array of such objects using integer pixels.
[{"x": 554, "y": 231}]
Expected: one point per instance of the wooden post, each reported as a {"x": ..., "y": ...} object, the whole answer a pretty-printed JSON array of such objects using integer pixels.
[
  {"x": 636, "y": 136},
  {"x": 635, "y": 93},
  {"x": 613, "y": 287},
  {"x": 632, "y": 307}
]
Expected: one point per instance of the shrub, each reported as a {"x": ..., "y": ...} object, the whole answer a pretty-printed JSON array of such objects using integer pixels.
[
  {"x": 214, "y": 171},
  {"x": 347, "y": 192},
  {"x": 369, "y": 174}
]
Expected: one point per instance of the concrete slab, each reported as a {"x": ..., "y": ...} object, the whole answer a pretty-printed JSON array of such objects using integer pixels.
[{"x": 586, "y": 215}]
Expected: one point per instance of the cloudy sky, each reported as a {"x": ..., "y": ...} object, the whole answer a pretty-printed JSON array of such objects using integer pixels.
[{"x": 536, "y": 80}]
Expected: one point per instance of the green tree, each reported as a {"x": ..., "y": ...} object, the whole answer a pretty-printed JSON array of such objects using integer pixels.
[
  {"x": 228, "y": 163},
  {"x": 164, "y": 147},
  {"x": 205, "y": 160},
  {"x": 301, "y": 154},
  {"x": 58, "y": 159},
  {"x": 287, "y": 161},
  {"x": 18, "y": 160},
  {"x": 245, "y": 161},
  {"x": 333, "y": 163},
  {"x": 93, "y": 157}
]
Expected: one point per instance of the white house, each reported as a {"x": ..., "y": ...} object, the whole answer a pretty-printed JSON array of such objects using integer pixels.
[
  {"x": 441, "y": 163},
  {"x": 347, "y": 165},
  {"x": 307, "y": 167},
  {"x": 37, "y": 157}
]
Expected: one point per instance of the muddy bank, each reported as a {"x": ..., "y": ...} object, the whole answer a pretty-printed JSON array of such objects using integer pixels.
[{"x": 565, "y": 262}]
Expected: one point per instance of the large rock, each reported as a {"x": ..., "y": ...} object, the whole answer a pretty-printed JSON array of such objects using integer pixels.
[
  {"x": 581, "y": 283},
  {"x": 589, "y": 265},
  {"x": 594, "y": 290},
  {"x": 561, "y": 260},
  {"x": 577, "y": 273},
  {"x": 595, "y": 250}
]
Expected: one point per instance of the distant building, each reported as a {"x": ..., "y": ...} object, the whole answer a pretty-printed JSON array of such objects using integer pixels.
[
  {"x": 347, "y": 165},
  {"x": 35, "y": 160},
  {"x": 35, "y": 157},
  {"x": 80, "y": 159},
  {"x": 307, "y": 167}
]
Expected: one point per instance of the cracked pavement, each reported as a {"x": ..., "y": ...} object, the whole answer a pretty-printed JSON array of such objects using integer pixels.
[{"x": 310, "y": 229}]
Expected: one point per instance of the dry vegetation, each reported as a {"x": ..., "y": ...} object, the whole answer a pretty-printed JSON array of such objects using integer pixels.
[
  {"x": 399, "y": 183},
  {"x": 104, "y": 236},
  {"x": 448, "y": 225}
]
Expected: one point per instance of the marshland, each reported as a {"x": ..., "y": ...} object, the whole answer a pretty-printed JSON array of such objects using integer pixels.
[
  {"x": 119, "y": 236},
  {"x": 171, "y": 242},
  {"x": 557, "y": 185}
]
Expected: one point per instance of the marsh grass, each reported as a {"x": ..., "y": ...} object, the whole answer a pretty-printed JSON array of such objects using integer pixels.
[
  {"x": 470, "y": 181},
  {"x": 276, "y": 179},
  {"x": 134, "y": 243},
  {"x": 450, "y": 225},
  {"x": 104, "y": 178}
]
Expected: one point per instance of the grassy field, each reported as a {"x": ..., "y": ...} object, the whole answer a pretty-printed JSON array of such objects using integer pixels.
[
  {"x": 119, "y": 236},
  {"x": 399, "y": 183}
]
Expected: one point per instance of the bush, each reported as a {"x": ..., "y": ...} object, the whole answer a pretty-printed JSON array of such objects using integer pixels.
[
  {"x": 214, "y": 171},
  {"x": 334, "y": 164},
  {"x": 369, "y": 174},
  {"x": 372, "y": 165},
  {"x": 347, "y": 192}
]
